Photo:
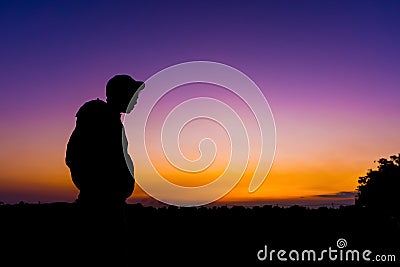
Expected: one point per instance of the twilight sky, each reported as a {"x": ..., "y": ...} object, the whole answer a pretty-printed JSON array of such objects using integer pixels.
[{"x": 329, "y": 70}]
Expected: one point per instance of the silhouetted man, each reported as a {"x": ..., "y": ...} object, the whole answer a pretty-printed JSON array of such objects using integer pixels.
[{"x": 98, "y": 160}]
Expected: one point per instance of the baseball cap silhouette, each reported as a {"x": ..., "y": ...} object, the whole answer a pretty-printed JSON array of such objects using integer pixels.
[{"x": 121, "y": 87}]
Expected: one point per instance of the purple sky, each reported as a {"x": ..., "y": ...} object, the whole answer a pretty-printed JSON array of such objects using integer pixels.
[{"x": 324, "y": 66}]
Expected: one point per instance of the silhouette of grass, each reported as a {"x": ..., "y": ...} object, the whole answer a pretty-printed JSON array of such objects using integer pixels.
[{"x": 40, "y": 234}]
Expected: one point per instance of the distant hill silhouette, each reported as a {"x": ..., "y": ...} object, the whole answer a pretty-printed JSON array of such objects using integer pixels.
[{"x": 45, "y": 234}]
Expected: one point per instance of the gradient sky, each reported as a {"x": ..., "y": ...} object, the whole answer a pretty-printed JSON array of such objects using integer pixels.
[{"x": 329, "y": 70}]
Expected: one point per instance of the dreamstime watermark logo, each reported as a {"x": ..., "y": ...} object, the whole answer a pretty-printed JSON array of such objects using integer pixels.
[
  {"x": 156, "y": 130},
  {"x": 329, "y": 254},
  {"x": 341, "y": 243}
]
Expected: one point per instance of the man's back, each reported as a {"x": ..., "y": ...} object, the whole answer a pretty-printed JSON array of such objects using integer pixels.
[{"x": 96, "y": 154}]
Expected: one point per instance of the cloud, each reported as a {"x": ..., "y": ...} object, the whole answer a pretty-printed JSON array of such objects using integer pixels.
[{"x": 342, "y": 194}]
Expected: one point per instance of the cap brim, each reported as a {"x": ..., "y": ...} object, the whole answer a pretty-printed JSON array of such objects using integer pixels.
[{"x": 139, "y": 85}]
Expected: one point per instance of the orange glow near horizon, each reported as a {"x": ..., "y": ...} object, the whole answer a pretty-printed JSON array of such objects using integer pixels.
[{"x": 320, "y": 158}]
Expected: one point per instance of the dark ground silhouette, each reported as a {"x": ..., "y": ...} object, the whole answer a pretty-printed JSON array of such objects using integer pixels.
[{"x": 47, "y": 234}]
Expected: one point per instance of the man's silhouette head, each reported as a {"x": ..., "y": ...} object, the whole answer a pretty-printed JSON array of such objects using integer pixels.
[{"x": 120, "y": 90}]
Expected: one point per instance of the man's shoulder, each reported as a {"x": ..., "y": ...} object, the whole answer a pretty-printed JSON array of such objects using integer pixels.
[{"x": 93, "y": 108}]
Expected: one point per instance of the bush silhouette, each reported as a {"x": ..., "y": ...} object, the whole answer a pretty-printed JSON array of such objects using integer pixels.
[{"x": 379, "y": 188}]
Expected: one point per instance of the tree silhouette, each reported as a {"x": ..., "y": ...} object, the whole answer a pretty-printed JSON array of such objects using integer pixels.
[{"x": 380, "y": 188}]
